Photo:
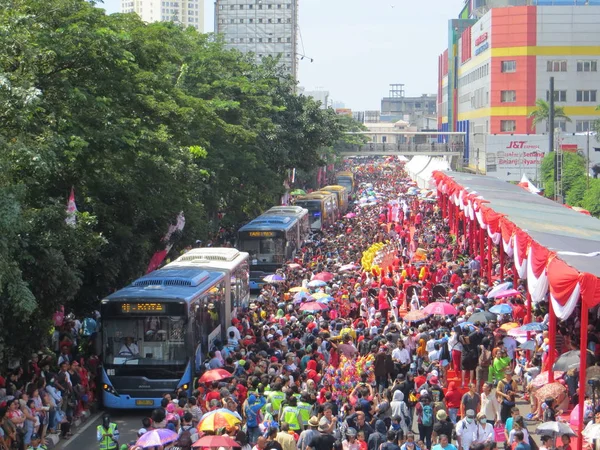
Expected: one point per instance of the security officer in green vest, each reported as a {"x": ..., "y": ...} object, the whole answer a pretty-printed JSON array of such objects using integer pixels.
[
  {"x": 107, "y": 434},
  {"x": 291, "y": 415},
  {"x": 305, "y": 408},
  {"x": 276, "y": 396}
]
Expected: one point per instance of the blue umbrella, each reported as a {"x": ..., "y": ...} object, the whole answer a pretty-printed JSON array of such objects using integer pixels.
[
  {"x": 527, "y": 345},
  {"x": 316, "y": 283},
  {"x": 325, "y": 300},
  {"x": 302, "y": 295},
  {"x": 533, "y": 326},
  {"x": 467, "y": 325},
  {"x": 502, "y": 308}
]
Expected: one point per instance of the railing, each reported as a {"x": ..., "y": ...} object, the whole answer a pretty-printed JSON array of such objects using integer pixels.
[{"x": 406, "y": 148}]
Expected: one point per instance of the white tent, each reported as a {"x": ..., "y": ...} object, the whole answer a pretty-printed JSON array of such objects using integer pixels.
[
  {"x": 424, "y": 178},
  {"x": 526, "y": 184},
  {"x": 415, "y": 165}
]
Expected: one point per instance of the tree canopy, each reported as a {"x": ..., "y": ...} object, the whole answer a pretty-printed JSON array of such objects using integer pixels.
[
  {"x": 143, "y": 121},
  {"x": 542, "y": 113}
]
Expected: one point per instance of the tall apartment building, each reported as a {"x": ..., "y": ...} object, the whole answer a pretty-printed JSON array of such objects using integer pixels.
[
  {"x": 185, "y": 12},
  {"x": 397, "y": 106},
  {"x": 262, "y": 27},
  {"x": 499, "y": 61}
]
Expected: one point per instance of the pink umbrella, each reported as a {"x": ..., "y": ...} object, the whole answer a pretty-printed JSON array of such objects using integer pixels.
[
  {"x": 347, "y": 267},
  {"x": 440, "y": 309},
  {"x": 323, "y": 276},
  {"x": 509, "y": 293},
  {"x": 350, "y": 215},
  {"x": 314, "y": 306},
  {"x": 294, "y": 266}
]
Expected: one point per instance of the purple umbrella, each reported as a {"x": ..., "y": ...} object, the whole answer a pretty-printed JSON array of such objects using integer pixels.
[{"x": 161, "y": 436}]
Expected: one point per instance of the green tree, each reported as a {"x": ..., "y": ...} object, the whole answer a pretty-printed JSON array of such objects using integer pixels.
[
  {"x": 573, "y": 176},
  {"x": 542, "y": 113},
  {"x": 591, "y": 199}
]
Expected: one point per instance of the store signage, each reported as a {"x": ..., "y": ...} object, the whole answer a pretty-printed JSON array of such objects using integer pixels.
[
  {"x": 481, "y": 39},
  {"x": 482, "y": 49}
]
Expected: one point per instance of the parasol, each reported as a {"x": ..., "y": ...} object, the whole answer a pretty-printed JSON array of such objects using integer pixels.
[
  {"x": 156, "y": 438},
  {"x": 298, "y": 289},
  {"x": 214, "y": 375},
  {"x": 499, "y": 288},
  {"x": 416, "y": 316},
  {"x": 509, "y": 326},
  {"x": 215, "y": 441},
  {"x": 570, "y": 360},
  {"x": 323, "y": 276},
  {"x": 274, "y": 278},
  {"x": 542, "y": 378},
  {"x": 509, "y": 293},
  {"x": 316, "y": 283},
  {"x": 482, "y": 317},
  {"x": 502, "y": 308},
  {"x": 440, "y": 309},
  {"x": 555, "y": 429},
  {"x": 217, "y": 419},
  {"x": 313, "y": 306}
]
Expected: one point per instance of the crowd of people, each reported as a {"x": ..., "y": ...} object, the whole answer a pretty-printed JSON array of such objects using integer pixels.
[
  {"x": 370, "y": 368},
  {"x": 52, "y": 389}
]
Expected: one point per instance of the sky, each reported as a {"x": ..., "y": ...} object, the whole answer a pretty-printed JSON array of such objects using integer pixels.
[{"x": 360, "y": 47}]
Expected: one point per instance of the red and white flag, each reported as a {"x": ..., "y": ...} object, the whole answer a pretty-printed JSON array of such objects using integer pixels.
[
  {"x": 71, "y": 218},
  {"x": 159, "y": 256}
]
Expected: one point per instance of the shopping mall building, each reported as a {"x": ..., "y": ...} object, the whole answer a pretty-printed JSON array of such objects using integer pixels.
[{"x": 500, "y": 59}]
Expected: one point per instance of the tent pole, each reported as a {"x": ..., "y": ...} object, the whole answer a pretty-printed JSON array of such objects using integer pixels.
[
  {"x": 582, "y": 368},
  {"x": 481, "y": 248},
  {"x": 501, "y": 252},
  {"x": 551, "y": 341},
  {"x": 528, "y": 316},
  {"x": 490, "y": 268}
]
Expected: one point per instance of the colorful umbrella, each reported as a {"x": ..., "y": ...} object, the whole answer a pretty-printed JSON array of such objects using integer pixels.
[
  {"x": 300, "y": 296},
  {"x": 224, "y": 411},
  {"x": 298, "y": 289},
  {"x": 499, "y": 288},
  {"x": 524, "y": 329},
  {"x": 155, "y": 438},
  {"x": 218, "y": 419},
  {"x": 350, "y": 215},
  {"x": 274, "y": 278},
  {"x": 527, "y": 345},
  {"x": 502, "y": 308},
  {"x": 542, "y": 379},
  {"x": 509, "y": 326},
  {"x": 319, "y": 295},
  {"x": 324, "y": 276},
  {"x": 416, "y": 316},
  {"x": 316, "y": 283},
  {"x": 214, "y": 375},
  {"x": 313, "y": 306},
  {"x": 325, "y": 299},
  {"x": 509, "y": 293},
  {"x": 215, "y": 441},
  {"x": 440, "y": 309}
]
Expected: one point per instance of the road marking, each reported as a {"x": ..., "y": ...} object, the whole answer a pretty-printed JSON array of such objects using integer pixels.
[{"x": 89, "y": 422}]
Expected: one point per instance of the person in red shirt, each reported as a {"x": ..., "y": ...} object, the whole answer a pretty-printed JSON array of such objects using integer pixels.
[
  {"x": 519, "y": 311},
  {"x": 453, "y": 397},
  {"x": 213, "y": 394},
  {"x": 420, "y": 379}
]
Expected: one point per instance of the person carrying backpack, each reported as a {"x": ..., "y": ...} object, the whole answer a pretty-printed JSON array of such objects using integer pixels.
[
  {"x": 425, "y": 418},
  {"x": 187, "y": 433}
]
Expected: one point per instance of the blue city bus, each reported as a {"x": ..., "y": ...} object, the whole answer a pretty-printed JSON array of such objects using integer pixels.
[
  {"x": 156, "y": 333},
  {"x": 273, "y": 238}
]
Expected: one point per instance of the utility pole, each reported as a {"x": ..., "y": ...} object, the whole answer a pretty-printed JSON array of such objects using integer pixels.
[
  {"x": 587, "y": 162},
  {"x": 551, "y": 133}
]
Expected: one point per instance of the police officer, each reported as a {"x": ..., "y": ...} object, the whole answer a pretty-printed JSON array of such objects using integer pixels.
[
  {"x": 291, "y": 415},
  {"x": 107, "y": 434},
  {"x": 36, "y": 443}
]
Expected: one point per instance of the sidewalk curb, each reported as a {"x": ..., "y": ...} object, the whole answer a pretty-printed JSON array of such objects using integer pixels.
[{"x": 78, "y": 427}]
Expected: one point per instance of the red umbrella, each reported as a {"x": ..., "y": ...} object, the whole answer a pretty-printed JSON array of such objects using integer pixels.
[
  {"x": 440, "y": 309},
  {"x": 323, "y": 276},
  {"x": 214, "y": 375},
  {"x": 215, "y": 441}
]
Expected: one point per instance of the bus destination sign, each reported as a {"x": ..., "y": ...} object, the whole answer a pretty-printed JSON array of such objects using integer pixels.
[
  {"x": 261, "y": 233},
  {"x": 132, "y": 308}
]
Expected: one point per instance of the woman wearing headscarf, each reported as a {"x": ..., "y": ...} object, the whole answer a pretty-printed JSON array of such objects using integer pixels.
[
  {"x": 421, "y": 352},
  {"x": 400, "y": 409}
]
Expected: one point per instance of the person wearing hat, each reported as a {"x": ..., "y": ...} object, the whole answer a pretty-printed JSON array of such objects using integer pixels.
[
  {"x": 107, "y": 434},
  {"x": 325, "y": 440},
  {"x": 442, "y": 426},
  {"x": 485, "y": 431},
  {"x": 307, "y": 435},
  {"x": 465, "y": 430},
  {"x": 36, "y": 443}
]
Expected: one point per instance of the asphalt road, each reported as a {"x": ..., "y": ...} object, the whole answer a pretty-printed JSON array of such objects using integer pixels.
[{"x": 128, "y": 422}]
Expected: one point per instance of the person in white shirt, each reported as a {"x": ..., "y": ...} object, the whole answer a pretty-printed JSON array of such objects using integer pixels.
[
  {"x": 401, "y": 356},
  {"x": 129, "y": 348},
  {"x": 465, "y": 430},
  {"x": 489, "y": 404},
  {"x": 485, "y": 431}
]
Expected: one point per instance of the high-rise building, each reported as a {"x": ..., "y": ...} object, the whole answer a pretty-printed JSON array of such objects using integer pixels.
[
  {"x": 499, "y": 60},
  {"x": 266, "y": 28},
  {"x": 397, "y": 106},
  {"x": 186, "y": 12}
]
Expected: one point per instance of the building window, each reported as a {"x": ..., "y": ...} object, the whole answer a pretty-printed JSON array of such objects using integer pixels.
[
  {"x": 241, "y": 40},
  {"x": 269, "y": 6},
  {"x": 508, "y": 96},
  {"x": 289, "y": 39},
  {"x": 508, "y": 125},
  {"x": 250, "y": 20},
  {"x": 583, "y": 126},
  {"x": 556, "y": 66},
  {"x": 586, "y": 96},
  {"x": 278, "y": 39},
  {"x": 270, "y": 40},
  {"x": 289, "y": 20},
  {"x": 241, "y": 20},
  {"x": 231, "y": 20},
  {"x": 260, "y": 21},
  {"x": 231, "y": 6},
  {"x": 278, "y": 20},
  {"x": 241, "y": 6},
  {"x": 587, "y": 66},
  {"x": 260, "y": 40},
  {"x": 559, "y": 96},
  {"x": 250, "y": 6},
  {"x": 383, "y": 139},
  {"x": 270, "y": 20},
  {"x": 250, "y": 39},
  {"x": 509, "y": 66},
  {"x": 289, "y": 6}
]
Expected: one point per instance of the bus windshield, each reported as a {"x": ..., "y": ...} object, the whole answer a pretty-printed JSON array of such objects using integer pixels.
[
  {"x": 150, "y": 340},
  {"x": 346, "y": 182},
  {"x": 314, "y": 212},
  {"x": 265, "y": 250}
]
